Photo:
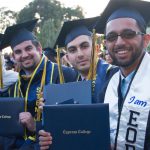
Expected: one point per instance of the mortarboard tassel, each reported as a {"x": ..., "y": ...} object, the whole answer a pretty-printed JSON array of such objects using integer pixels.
[
  {"x": 61, "y": 76},
  {"x": 93, "y": 65},
  {"x": 1, "y": 74},
  {"x": 94, "y": 60}
]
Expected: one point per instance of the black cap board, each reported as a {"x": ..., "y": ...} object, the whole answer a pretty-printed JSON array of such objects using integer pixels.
[
  {"x": 135, "y": 9},
  {"x": 18, "y": 33},
  {"x": 72, "y": 29},
  {"x": 1, "y": 36}
]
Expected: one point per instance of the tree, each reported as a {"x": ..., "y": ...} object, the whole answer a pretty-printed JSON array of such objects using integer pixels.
[
  {"x": 71, "y": 14},
  {"x": 48, "y": 33},
  {"x": 51, "y": 14},
  {"x": 48, "y": 9}
]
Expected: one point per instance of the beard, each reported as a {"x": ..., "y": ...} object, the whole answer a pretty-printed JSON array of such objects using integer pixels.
[{"x": 135, "y": 55}]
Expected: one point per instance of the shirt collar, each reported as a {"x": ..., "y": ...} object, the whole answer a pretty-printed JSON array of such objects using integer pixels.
[{"x": 129, "y": 77}]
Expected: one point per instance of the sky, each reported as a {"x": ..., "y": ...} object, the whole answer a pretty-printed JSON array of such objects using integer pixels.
[{"x": 91, "y": 8}]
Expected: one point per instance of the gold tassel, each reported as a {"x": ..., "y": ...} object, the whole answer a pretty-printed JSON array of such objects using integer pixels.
[
  {"x": 94, "y": 60},
  {"x": 39, "y": 91},
  {"x": 1, "y": 74},
  {"x": 61, "y": 76}
]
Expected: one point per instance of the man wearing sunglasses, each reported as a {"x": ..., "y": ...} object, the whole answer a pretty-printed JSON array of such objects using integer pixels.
[{"x": 128, "y": 90}]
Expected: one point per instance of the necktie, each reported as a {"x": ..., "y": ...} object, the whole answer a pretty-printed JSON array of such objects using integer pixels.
[{"x": 124, "y": 87}]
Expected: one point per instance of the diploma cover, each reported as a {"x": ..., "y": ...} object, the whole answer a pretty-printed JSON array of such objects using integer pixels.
[
  {"x": 9, "y": 116},
  {"x": 78, "y": 127}
]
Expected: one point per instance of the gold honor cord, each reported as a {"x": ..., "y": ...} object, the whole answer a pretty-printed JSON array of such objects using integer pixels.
[
  {"x": 18, "y": 92},
  {"x": 27, "y": 93},
  {"x": 94, "y": 60},
  {"x": 1, "y": 73},
  {"x": 61, "y": 76},
  {"x": 93, "y": 65},
  {"x": 41, "y": 88}
]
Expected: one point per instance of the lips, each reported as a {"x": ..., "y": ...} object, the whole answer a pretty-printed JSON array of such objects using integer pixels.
[
  {"x": 122, "y": 52},
  {"x": 121, "y": 49},
  {"x": 27, "y": 61},
  {"x": 82, "y": 62}
]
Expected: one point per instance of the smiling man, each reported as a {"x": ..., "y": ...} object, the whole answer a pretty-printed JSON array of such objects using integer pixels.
[
  {"x": 36, "y": 71},
  {"x": 128, "y": 90}
]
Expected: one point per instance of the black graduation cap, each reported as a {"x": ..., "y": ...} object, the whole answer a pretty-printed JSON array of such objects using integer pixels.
[
  {"x": 72, "y": 29},
  {"x": 1, "y": 76},
  {"x": 1, "y": 36},
  {"x": 135, "y": 9},
  {"x": 18, "y": 33},
  {"x": 49, "y": 51}
]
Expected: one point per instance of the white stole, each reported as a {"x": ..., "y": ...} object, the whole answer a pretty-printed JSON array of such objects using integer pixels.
[{"x": 134, "y": 114}]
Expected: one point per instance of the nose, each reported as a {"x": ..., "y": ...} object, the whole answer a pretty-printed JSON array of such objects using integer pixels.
[
  {"x": 119, "y": 40},
  {"x": 79, "y": 52},
  {"x": 24, "y": 54}
]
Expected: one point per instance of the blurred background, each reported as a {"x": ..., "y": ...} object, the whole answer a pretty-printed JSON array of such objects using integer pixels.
[{"x": 51, "y": 15}]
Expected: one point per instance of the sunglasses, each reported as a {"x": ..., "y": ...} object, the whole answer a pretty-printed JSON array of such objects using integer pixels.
[{"x": 127, "y": 34}]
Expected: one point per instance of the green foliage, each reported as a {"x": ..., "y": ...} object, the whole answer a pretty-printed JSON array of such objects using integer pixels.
[
  {"x": 148, "y": 48},
  {"x": 51, "y": 14},
  {"x": 48, "y": 33},
  {"x": 72, "y": 13},
  {"x": 44, "y": 8}
]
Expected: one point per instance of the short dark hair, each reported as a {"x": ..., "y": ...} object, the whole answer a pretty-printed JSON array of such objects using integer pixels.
[
  {"x": 141, "y": 27},
  {"x": 36, "y": 43}
]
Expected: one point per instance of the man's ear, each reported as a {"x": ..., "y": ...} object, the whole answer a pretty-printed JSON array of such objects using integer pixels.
[
  {"x": 39, "y": 48},
  {"x": 67, "y": 56},
  {"x": 13, "y": 55},
  {"x": 98, "y": 48},
  {"x": 146, "y": 40},
  {"x": 104, "y": 42}
]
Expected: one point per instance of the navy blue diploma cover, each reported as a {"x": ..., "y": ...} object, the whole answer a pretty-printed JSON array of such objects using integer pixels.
[
  {"x": 9, "y": 116},
  {"x": 68, "y": 93},
  {"x": 78, "y": 127}
]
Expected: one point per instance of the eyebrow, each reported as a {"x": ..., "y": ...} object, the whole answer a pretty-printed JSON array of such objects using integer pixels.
[
  {"x": 28, "y": 46},
  {"x": 126, "y": 29},
  {"x": 72, "y": 46}
]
